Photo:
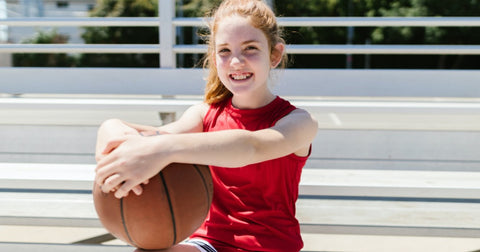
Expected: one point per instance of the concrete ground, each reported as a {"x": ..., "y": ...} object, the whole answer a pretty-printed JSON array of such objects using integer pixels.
[{"x": 313, "y": 242}]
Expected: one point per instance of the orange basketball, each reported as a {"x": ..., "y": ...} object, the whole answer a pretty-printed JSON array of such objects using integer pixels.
[{"x": 172, "y": 206}]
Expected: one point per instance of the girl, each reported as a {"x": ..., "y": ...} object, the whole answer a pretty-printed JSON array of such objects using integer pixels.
[{"x": 256, "y": 143}]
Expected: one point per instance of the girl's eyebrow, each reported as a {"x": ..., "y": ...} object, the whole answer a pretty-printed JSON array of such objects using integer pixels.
[
  {"x": 243, "y": 43},
  {"x": 251, "y": 41}
]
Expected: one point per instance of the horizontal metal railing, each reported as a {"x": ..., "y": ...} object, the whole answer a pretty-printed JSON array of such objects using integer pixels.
[
  {"x": 292, "y": 49},
  {"x": 168, "y": 49},
  {"x": 283, "y": 21}
]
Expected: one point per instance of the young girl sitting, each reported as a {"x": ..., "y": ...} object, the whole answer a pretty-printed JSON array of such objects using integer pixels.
[{"x": 255, "y": 142}]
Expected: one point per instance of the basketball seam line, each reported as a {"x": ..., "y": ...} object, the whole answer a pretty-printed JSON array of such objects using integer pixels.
[
  {"x": 172, "y": 214},
  {"x": 124, "y": 222},
  {"x": 204, "y": 183}
]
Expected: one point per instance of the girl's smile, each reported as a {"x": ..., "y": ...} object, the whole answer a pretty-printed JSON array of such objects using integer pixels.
[{"x": 240, "y": 76}]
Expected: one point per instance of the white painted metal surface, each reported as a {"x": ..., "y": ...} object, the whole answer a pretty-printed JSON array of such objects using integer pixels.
[
  {"x": 200, "y": 49},
  {"x": 166, "y": 13},
  {"x": 324, "y": 182},
  {"x": 283, "y": 21},
  {"x": 391, "y": 183},
  {"x": 379, "y": 217},
  {"x": 47, "y": 176},
  {"x": 180, "y": 105},
  {"x": 317, "y": 84}
]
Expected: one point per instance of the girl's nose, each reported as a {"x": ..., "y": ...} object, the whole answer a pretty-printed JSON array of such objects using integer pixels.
[{"x": 236, "y": 60}]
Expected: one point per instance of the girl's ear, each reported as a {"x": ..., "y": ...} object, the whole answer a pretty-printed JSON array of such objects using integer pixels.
[{"x": 277, "y": 54}]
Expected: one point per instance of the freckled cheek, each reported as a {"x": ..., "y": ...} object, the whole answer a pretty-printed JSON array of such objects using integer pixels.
[
  {"x": 222, "y": 65},
  {"x": 256, "y": 59},
  {"x": 219, "y": 60},
  {"x": 222, "y": 69}
]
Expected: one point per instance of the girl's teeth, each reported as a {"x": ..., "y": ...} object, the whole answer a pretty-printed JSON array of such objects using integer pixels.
[{"x": 241, "y": 76}]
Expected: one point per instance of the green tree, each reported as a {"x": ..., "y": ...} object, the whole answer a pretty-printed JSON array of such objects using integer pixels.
[
  {"x": 294, "y": 35},
  {"x": 384, "y": 35},
  {"x": 193, "y": 35},
  {"x": 314, "y": 35},
  {"x": 122, "y": 35},
  {"x": 430, "y": 35},
  {"x": 45, "y": 59},
  {"x": 197, "y": 8}
]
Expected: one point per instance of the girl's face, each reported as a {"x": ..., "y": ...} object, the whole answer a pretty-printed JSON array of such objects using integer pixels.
[{"x": 242, "y": 59}]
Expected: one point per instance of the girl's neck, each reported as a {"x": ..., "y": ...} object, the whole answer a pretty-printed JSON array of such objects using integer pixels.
[{"x": 252, "y": 102}]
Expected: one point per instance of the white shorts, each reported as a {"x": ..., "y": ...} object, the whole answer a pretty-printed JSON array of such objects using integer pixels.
[{"x": 200, "y": 244}]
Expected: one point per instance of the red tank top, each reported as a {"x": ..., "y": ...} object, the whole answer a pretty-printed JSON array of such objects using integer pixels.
[{"x": 253, "y": 207}]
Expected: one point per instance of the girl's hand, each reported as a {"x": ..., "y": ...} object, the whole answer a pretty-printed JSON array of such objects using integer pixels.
[
  {"x": 138, "y": 189},
  {"x": 110, "y": 146},
  {"x": 110, "y": 135},
  {"x": 129, "y": 164}
]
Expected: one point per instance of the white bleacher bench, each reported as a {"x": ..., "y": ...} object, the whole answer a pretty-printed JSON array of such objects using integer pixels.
[
  {"x": 177, "y": 89},
  {"x": 331, "y": 201}
]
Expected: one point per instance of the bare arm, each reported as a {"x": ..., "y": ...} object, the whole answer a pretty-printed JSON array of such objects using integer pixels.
[
  {"x": 190, "y": 121},
  {"x": 139, "y": 158},
  {"x": 236, "y": 148},
  {"x": 113, "y": 132}
]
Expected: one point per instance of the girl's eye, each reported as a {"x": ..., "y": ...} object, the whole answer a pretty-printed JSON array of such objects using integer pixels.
[
  {"x": 250, "y": 48},
  {"x": 223, "y": 51}
]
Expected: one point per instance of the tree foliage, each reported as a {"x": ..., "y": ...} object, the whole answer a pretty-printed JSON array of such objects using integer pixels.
[
  {"x": 45, "y": 59},
  {"x": 197, "y": 8},
  {"x": 383, "y": 35},
  {"x": 294, "y": 35},
  {"x": 122, "y": 35}
]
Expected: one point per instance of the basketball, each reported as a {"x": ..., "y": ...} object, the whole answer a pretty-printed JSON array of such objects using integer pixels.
[{"x": 172, "y": 206}]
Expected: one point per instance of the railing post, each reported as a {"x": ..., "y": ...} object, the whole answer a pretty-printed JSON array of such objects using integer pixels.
[
  {"x": 3, "y": 15},
  {"x": 166, "y": 13}
]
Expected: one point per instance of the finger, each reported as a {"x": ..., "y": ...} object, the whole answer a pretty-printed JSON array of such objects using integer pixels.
[
  {"x": 99, "y": 180},
  {"x": 105, "y": 164},
  {"x": 103, "y": 161},
  {"x": 99, "y": 157},
  {"x": 111, "y": 183},
  {"x": 120, "y": 195},
  {"x": 113, "y": 144},
  {"x": 138, "y": 190},
  {"x": 101, "y": 164},
  {"x": 103, "y": 171},
  {"x": 124, "y": 189}
]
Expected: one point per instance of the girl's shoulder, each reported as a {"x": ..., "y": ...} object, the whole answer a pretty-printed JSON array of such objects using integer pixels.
[{"x": 199, "y": 109}]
